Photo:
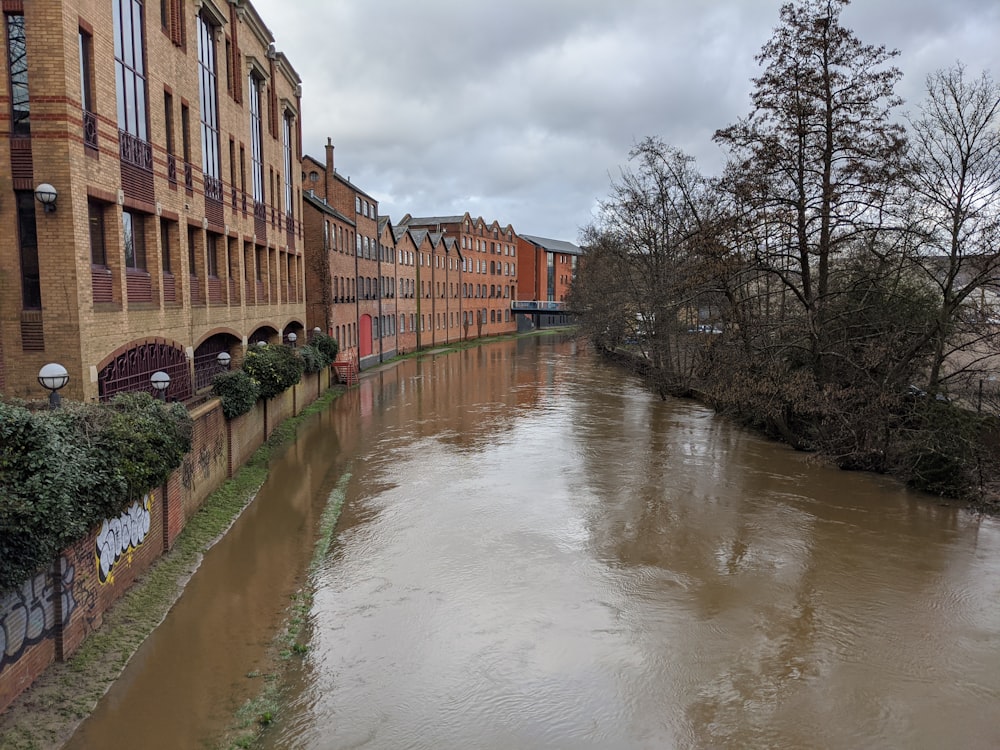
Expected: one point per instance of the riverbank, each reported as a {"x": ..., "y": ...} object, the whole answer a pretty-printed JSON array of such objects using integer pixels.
[
  {"x": 45, "y": 716},
  {"x": 953, "y": 458}
]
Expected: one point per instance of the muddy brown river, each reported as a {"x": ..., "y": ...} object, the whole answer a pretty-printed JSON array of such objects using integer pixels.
[{"x": 536, "y": 552}]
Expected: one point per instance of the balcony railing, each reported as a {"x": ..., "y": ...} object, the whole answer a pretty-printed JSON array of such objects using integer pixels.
[
  {"x": 213, "y": 188},
  {"x": 135, "y": 151}
]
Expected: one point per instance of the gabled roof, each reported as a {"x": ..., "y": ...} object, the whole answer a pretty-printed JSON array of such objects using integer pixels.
[
  {"x": 311, "y": 198},
  {"x": 553, "y": 246},
  {"x": 418, "y": 235}
]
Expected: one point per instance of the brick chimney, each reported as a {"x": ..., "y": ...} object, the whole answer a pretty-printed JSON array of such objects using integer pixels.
[{"x": 328, "y": 182}]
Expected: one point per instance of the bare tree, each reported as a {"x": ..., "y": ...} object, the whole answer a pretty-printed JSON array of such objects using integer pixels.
[
  {"x": 955, "y": 183},
  {"x": 815, "y": 158}
]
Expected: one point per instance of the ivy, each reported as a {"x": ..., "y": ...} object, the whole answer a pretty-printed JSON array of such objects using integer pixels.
[
  {"x": 275, "y": 368},
  {"x": 64, "y": 471}
]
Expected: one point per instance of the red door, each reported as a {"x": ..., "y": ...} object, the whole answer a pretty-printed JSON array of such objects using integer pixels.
[{"x": 365, "y": 336}]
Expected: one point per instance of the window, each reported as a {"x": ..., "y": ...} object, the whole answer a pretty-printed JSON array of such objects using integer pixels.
[
  {"x": 134, "y": 240},
  {"x": 212, "y": 255},
  {"x": 357, "y": 205},
  {"x": 286, "y": 146},
  {"x": 98, "y": 247},
  {"x": 31, "y": 288},
  {"x": 256, "y": 139},
  {"x": 165, "y": 244},
  {"x": 17, "y": 57},
  {"x": 130, "y": 68},
  {"x": 168, "y": 118},
  {"x": 172, "y": 20},
  {"x": 87, "y": 88},
  {"x": 208, "y": 98},
  {"x": 186, "y": 139}
]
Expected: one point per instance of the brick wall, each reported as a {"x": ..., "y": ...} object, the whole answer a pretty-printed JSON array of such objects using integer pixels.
[
  {"x": 246, "y": 434},
  {"x": 51, "y": 614}
]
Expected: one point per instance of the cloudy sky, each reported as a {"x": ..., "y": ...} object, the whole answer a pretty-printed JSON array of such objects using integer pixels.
[{"x": 523, "y": 111}]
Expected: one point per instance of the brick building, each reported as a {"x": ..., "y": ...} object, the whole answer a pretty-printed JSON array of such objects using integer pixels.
[
  {"x": 171, "y": 136},
  {"x": 547, "y": 268},
  {"x": 370, "y": 315},
  {"x": 485, "y": 258}
]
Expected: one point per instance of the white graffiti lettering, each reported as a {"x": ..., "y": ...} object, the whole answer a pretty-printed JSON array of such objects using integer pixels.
[
  {"x": 119, "y": 536},
  {"x": 29, "y": 614}
]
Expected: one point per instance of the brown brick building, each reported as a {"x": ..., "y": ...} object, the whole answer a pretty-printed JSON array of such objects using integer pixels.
[{"x": 171, "y": 136}]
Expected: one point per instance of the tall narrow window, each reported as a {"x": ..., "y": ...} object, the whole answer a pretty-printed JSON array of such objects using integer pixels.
[
  {"x": 286, "y": 145},
  {"x": 17, "y": 57},
  {"x": 165, "y": 245},
  {"x": 87, "y": 89},
  {"x": 31, "y": 288},
  {"x": 186, "y": 144},
  {"x": 171, "y": 144},
  {"x": 212, "y": 255},
  {"x": 209, "y": 100},
  {"x": 256, "y": 140},
  {"x": 135, "y": 240},
  {"x": 98, "y": 248},
  {"x": 130, "y": 70}
]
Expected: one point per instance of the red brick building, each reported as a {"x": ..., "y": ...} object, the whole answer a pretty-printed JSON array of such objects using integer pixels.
[
  {"x": 547, "y": 268},
  {"x": 170, "y": 138},
  {"x": 366, "y": 262},
  {"x": 485, "y": 256}
]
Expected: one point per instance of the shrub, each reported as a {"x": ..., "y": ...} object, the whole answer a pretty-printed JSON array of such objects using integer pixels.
[
  {"x": 238, "y": 391},
  {"x": 64, "y": 471},
  {"x": 275, "y": 368},
  {"x": 326, "y": 344},
  {"x": 313, "y": 359}
]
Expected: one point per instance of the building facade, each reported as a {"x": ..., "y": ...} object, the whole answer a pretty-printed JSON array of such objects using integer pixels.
[
  {"x": 547, "y": 268},
  {"x": 169, "y": 138},
  {"x": 486, "y": 256}
]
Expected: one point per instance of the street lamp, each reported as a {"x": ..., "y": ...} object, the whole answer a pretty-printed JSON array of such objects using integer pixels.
[
  {"x": 160, "y": 381},
  {"x": 261, "y": 344},
  {"x": 316, "y": 332},
  {"x": 292, "y": 338},
  {"x": 224, "y": 359},
  {"x": 53, "y": 376}
]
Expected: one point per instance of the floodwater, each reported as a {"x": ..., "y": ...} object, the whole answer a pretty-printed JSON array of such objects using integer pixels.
[{"x": 536, "y": 552}]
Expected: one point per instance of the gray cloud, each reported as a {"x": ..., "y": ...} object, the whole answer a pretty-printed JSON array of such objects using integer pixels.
[{"x": 520, "y": 111}]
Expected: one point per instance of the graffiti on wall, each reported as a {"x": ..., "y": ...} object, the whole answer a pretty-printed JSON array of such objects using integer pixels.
[
  {"x": 119, "y": 537},
  {"x": 29, "y": 614}
]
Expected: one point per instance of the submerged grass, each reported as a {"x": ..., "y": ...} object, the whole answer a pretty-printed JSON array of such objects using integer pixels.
[
  {"x": 46, "y": 715},
  {"x": 261, "y": 711}
]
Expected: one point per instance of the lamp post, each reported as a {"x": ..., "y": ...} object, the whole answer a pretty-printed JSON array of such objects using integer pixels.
[
  {"x": 316, "y": 332},
  {"x": 160, "y": 381},
  {"x": 292, "y": 338},
  {"x": 224, "y": 359},
  {"x": 53, "y": 376}
]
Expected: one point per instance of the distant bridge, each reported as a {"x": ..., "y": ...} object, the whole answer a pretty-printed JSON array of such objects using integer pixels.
[
  {"x": 539, "y": 306},
  {"x": 542, "y": 314}
]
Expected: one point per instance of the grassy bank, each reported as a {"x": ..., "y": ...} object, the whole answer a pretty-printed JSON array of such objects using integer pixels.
[{"x": 46, "y": 715}]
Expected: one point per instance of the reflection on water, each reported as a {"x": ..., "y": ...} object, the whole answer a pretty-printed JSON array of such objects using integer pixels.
[{"x": 537, "y": 552}]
